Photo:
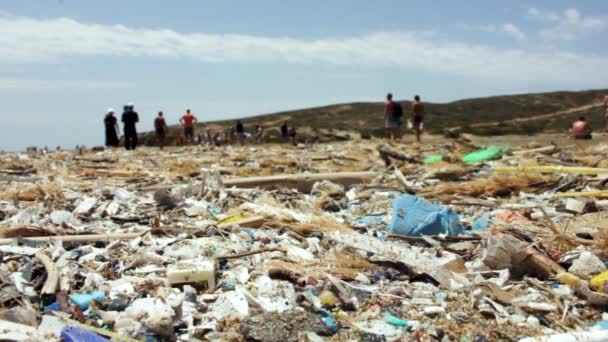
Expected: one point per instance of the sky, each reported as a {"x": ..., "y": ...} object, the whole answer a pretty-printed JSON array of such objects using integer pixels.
[{"x": 63, "y": 63}]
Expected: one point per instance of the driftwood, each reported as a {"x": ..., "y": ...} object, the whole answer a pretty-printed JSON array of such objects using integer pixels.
[
  {"x": 386, "y": 154},
  {"x": 253, "y": 252},
  {"x": 52, "y": 274},
  {"x": 302, "y": 182},
  {"x": 76, "y": 238}
]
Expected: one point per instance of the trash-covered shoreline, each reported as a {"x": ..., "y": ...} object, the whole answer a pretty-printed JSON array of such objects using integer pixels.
[{"x": 352, "y": 241}]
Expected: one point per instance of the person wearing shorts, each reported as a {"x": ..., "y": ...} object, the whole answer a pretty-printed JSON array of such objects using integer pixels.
[
  {"x": 188, "y": 120},
  {"x": 391, "y": 121},
  {"x": 160, "y": 126},
  {"x": 417, "y": 119}
]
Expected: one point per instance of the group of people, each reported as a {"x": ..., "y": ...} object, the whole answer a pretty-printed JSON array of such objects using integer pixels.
[
  {"x": 130, "y": 118},
  {"x": 393, "y": 116},
  {"x": 393, "y": 120}
]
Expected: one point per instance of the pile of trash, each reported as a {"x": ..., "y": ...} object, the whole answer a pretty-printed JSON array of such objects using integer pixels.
[{"x": 354, "y": 241}]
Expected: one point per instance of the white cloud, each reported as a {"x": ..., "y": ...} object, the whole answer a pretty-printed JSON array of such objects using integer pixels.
[
  {"x": 23, "y": 84},
  {"x": 513, "y": 31},
  {"x": 569, "y": 24},
  {"x": 27, "y": 40}
]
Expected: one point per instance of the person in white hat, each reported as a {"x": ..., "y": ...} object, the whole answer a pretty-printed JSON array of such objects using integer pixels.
[{"x": 111, "y": 124}]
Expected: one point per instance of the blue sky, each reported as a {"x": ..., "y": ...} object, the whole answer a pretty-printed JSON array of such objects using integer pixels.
[{"x": 64, "y": 62}]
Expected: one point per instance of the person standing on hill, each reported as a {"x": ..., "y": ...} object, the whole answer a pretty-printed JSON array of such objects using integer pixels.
[
  {"x": 417, "y": 117},
  {"x": 240, "y": 132},
  {"x": 284, "y": 131},
  {"x": 188, "y": 120},
  {"x": 129, "y": 119},
  {"x": 160, "y": 126},
  {"x": 391, "y": 121},
  {"x": 111, "y": 124}
]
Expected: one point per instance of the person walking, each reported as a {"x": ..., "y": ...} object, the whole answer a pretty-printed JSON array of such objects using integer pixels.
[
  {"x": 284, "y": 131},
  {"x": 160, "y": 126},
  {"x": 188, "y": 120},
  {"x": 240, "y": 132},
  {"x": 130, "y": 118},
  {"x": 111, "y": 124},
  {"x": 391, "y": 121},
  {"x": 417, "y": 118}
]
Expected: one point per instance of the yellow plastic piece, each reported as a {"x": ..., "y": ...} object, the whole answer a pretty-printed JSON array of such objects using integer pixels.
[
  {"x": 551, "y": 169},
  {"x": 232, "y": 219},
  {"x": 597, "y": 282},
  {"x": 583, "y": 194},
  {"x": 569, "y": 279},
  {"x": 328, "y": 298}
]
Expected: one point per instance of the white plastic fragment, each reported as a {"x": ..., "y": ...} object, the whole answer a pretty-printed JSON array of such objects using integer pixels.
[
  {"x": 230, "y": 304},
  {"x": 197, "y": 271},
  {"x": 587, "y": 264},
  {"x": 85, "y": 206}
]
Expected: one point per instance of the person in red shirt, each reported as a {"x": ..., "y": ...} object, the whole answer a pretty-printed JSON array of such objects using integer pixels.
[
  {"x": 417, "y": 117},
  {"x": 161, "y": 129},
  {"x": 188, "y": 120}
]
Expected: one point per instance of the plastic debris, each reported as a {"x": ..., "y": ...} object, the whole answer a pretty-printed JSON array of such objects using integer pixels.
[
  {"x": 83, "y": 300},
  {"x": 73, "y": 334},
  {"x": 276, "y": 243},
  {"x": 490, "y": 153},
  {"x": 414, "y": 216}
]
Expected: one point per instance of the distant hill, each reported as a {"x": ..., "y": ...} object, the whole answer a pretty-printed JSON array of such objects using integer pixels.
[{"x": 496, "y": 115}]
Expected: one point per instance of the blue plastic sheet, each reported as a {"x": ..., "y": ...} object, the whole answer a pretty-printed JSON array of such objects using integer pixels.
[
  {"x": 414, "y": 216},
  {"x": 74, "y": 334}
]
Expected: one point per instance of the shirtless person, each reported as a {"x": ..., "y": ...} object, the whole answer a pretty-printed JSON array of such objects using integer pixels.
[
  {"x": 580, "y": 129},
  {"x": 391, "y": 121},
  {"x": 417, "y": 117}
]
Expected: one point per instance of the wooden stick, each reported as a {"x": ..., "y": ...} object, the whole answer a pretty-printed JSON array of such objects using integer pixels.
[
  {"x": 302, "y": 182},
  {"x": 52, "y": 274},
  {"x": 244, "y": 254},
  {"x": 76, "y": 238},
  {"x": 551, "y": 169}
]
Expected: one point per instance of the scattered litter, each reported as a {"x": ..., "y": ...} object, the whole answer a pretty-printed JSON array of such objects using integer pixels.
[{"x": 285, "y": 244}]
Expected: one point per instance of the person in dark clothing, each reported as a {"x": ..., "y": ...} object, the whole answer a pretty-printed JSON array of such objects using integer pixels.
[
  {"x": 160, "y": 126},
  {"x": 284, "y": 131},
  {"x": 292, "y": 135},
  {"x": 111, "y": 124},
  {"x": 130, "y": 118},
  {"x": 240, "y": 132}
]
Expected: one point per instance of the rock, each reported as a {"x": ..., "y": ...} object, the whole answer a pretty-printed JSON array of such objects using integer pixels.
[
  {"x": 281, "y": 327},
  {"x": 587, "y": 264}
]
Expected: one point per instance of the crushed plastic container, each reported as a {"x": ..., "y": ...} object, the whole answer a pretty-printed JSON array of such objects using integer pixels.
[
  {"x": 490, "y": 153},
  {"x": 200, "y": 272},
  {"x": 414, "y": 216},
  {"x": 83, "y": 300},
  {"x": 74, "y": 334}
]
